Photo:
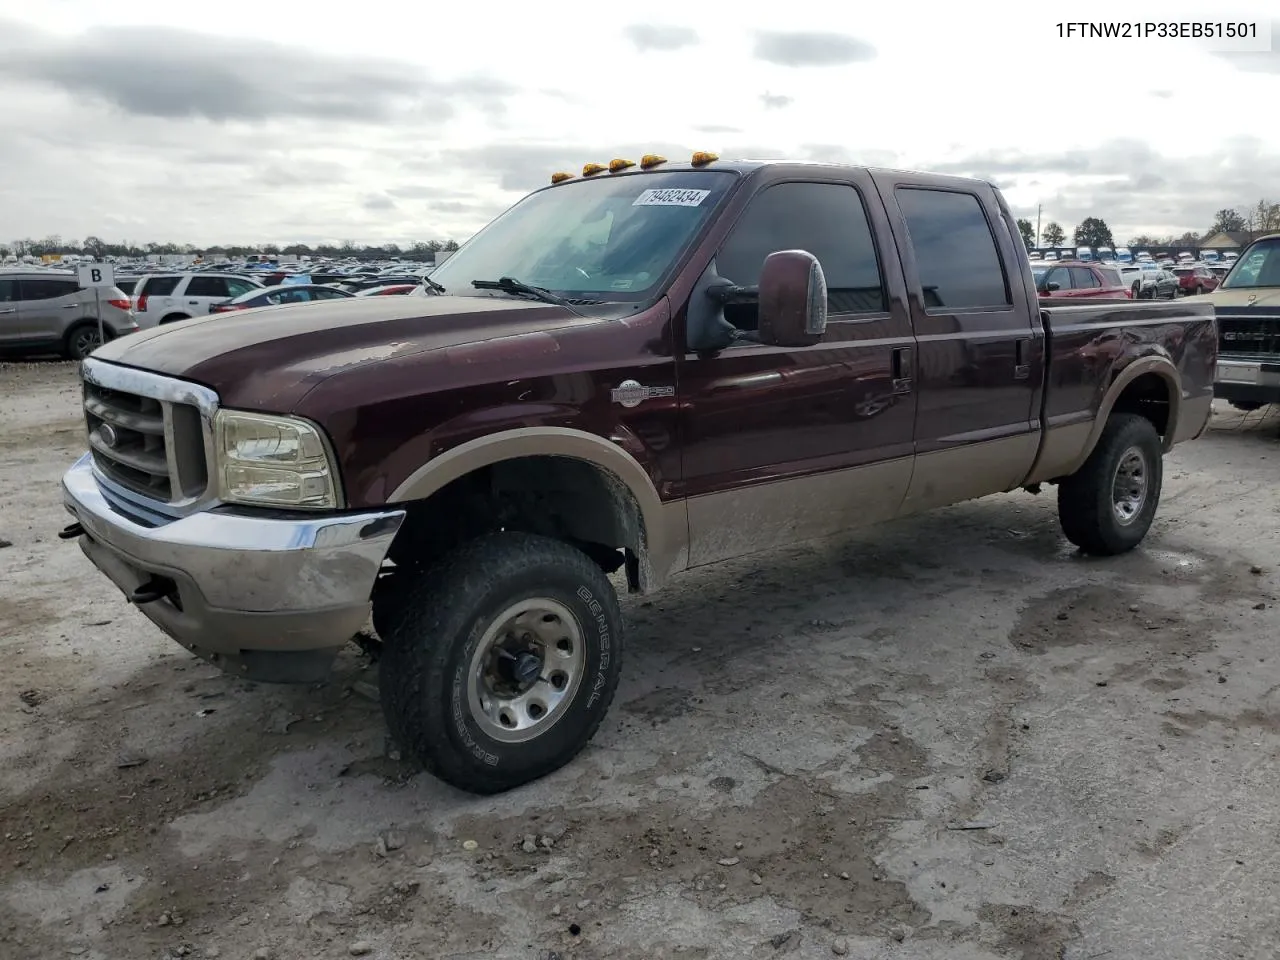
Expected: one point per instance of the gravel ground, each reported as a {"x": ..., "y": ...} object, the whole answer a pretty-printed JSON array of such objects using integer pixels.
[{"x": 947, "y": 737}]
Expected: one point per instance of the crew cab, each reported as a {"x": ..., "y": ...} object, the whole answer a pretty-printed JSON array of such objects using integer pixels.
[
  {"x": 641, "y": 369},
  {"x": 1247, "y": 302}
]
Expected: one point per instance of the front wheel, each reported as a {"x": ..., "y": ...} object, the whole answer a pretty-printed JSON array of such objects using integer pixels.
[
  {"x": 1107, "y": 506},
  {"x": 1199, "y": 289},
  {"x": 500, "y": 663}
]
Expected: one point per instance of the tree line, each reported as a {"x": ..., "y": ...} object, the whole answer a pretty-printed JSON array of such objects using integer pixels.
[
  {"x": 98, "y": 248},
  {"x": 1263, "y": 217}
]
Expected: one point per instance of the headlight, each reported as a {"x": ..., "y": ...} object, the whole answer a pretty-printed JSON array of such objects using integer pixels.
[{"x": 272, "y": 461}]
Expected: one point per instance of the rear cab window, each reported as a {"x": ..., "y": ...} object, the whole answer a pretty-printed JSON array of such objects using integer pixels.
[{"x": 956, "y": 256}]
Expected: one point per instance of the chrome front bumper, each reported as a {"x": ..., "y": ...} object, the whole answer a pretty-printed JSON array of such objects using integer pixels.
[{"x": 261, "y": 597}]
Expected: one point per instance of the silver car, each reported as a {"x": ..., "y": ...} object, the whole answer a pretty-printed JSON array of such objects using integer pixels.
[{"x": 48, "y": 311}]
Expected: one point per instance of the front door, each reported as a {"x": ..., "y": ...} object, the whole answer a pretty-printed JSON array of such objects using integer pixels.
[
  {"x": 977, "y": 426},
  {"x": 787, "y": 444}
]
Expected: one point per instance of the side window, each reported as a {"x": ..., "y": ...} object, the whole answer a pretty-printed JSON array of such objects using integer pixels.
[
  {"x": 8, "y": 289},
  {"x": 826, "y": 219},
  {"x": 158, "y": 286},
  {"x": 325, "y": 295},
  {"x": 1082, "y": 278},
  {"x": 43, "y": 289},
  {"x": 207, "y": 287},
  {"x": 955, "y": 250},
  {"x": 1061, "y": 276},
  {"x": 239, "y": 287}
]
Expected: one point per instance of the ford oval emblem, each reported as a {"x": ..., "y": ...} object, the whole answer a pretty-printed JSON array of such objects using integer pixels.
[{"x": 107, "y": 434}]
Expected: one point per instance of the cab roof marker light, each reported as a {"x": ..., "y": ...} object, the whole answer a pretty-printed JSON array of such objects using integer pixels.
[
  {"x": 651, "y": 160},
  {"x": 701, "y": 158},
  {"x": 561, "y": 177},
  {"x": 620, "y": 164},
  {"x": 593, "y": 168}
]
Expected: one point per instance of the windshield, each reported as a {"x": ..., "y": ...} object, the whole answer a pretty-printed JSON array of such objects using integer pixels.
[
  {"x": 1259, "y": 267},
  {"x": 608, "y": 239}
]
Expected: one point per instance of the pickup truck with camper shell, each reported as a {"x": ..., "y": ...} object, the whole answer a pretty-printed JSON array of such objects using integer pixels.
[{"x": 636, "y": 370}]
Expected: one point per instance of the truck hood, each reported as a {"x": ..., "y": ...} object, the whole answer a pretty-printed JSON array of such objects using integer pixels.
[
  {"x": 1265, "y": 297},
  {"x": 268, "y": 358}
]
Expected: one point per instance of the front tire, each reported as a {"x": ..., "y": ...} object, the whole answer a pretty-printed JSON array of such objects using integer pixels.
[
  {"x": 501, "y": 661},
  {"x": 1107, "y": 506}
]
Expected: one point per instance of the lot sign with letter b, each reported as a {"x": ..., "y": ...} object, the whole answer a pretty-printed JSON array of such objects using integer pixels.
[{"x": 96, "y": 275}]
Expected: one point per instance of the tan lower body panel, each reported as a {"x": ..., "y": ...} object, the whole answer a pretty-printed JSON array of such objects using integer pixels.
[
  {"x": 971, "y": 470},
  {"x": 766, "y": 515},
  {"x": 1193, "y": 417}
]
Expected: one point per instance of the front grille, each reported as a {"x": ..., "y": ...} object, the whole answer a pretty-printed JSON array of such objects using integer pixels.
[
  {"x": 1252, "y": 336},
  {"x": 153, "y": 447}
]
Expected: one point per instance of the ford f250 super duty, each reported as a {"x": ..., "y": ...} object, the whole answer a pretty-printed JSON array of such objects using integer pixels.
[{"x": 643, "y": 368}]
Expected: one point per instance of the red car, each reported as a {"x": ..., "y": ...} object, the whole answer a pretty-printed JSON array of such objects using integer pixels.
[
  {"x": 1195, "y": 279},
  {"x": 1079, "y": 279}
]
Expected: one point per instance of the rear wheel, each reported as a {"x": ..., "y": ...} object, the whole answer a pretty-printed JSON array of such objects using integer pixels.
[
  {"x": 1199, "y": 288},
  {"x": 500, "y": 662},
  {"x": 1107, "y": 506},
  {"x": 175, "y": 317},
  {"x": 81, "y": 340}
]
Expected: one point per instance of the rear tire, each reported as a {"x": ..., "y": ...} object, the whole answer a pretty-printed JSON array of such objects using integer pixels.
[
  {"x": 1107, "y": 506},
  {"x": 174, "y": 318},
  {"x": 81, "y": 340},
  {"x": 499, "y": 663},
  {"x": 1199, "y": 289}
]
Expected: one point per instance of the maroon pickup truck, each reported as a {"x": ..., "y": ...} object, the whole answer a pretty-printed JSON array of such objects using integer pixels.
[{"x": 638, "y": 370}]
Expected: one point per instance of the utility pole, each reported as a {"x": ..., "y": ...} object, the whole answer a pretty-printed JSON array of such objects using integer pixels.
[{"x": 1039, "y": 210}]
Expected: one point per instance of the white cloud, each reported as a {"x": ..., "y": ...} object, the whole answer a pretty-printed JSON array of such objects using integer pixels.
[{"x": 196, "y": 131}]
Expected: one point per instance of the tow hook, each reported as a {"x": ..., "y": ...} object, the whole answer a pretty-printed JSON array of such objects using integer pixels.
[
  {"x": 156, "y": 588},
  {"x": 71, "y": 532}
]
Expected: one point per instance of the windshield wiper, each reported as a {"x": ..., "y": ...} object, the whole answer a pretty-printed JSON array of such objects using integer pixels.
[
  {"x": 513, "y": 286},
  {"x": 432, "y": 285}
]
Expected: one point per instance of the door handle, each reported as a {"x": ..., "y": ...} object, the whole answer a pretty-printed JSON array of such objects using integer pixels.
[
  {"x": 193, "y": 303},
  {"x": 10, "y": 310},
  {"x": 1021, "y": 368},
  {"x": 70, "y": 306},
  {"x": 902, "y": 370}
]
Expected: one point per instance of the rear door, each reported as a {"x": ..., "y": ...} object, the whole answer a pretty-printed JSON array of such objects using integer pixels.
[{"x": 977, "y": 325}]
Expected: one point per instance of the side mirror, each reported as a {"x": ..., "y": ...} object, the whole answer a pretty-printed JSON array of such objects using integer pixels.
[
  {"x": 1052, "y": 285},
  {"x": 792, "y": 299}
]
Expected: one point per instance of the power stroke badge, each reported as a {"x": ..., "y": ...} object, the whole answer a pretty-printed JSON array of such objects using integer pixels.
[{"x": 631, "y": 393}]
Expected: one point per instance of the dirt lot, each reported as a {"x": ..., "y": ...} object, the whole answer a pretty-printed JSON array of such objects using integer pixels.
[{"x": 949, "y": 737}]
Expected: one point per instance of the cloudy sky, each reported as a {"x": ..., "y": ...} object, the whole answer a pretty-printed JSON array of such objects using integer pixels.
[{"x": 274, "y": 122}]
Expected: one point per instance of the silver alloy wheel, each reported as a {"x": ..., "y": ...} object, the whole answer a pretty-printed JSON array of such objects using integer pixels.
[
  {"x": 84, "y": 342},
  {"x": 526, "y": 670},
  {"x": 1129, "y": 488}
]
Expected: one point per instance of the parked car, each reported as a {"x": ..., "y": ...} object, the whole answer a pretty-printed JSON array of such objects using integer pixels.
[
  {"x": 168, "y": 297},
  {"x": 1077, "y": 279},
  {"x": 48, "y": 310},
  {"x": 746, "y": 355},
  {"x": 1162, "y": 286},
  {"x": 278, "y": 295},
  {"x": 1247, "y": 302},
  {"x": 1195, "y": 279}
]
